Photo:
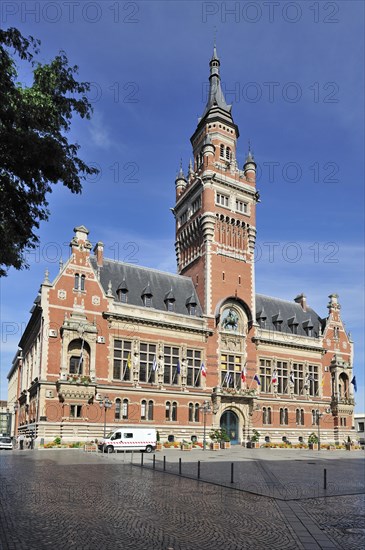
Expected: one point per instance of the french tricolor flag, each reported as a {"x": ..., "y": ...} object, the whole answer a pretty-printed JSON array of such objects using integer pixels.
[
  {"x": 203, "y": 370},
  {"x": 243, "y": 374}
]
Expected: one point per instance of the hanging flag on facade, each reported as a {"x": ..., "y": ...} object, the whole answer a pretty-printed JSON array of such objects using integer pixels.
[
  {"x": 129, "y": 361},
  {"x": 203, "y": 370},
  {"x": 243, "y": 374},
  {"x": 227, "y": 379},
  {"x": 274, "y": 377},
  {"x": 178, "y": 367},
  {"x": 257, "y": 379},
  {"x": 154, "y": 363},
  {"x": 353, "y": 382}
]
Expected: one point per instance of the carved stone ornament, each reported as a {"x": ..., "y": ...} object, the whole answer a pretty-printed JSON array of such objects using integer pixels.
[
  {"x": 62, "y": 294},
  {"x": 95, "y": 300}
]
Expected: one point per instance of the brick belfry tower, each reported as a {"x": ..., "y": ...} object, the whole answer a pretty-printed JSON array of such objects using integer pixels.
[{"x": 216, "y": 228}]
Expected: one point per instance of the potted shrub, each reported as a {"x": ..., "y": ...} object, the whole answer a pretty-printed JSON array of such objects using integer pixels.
[
  {"x": 186, "y": 445},
  {"x": 254, "y": 441},
  {"x": 225, "y": 440},
  {"x": 215, "y": 437},
  {"x": 313, "y": 442}
]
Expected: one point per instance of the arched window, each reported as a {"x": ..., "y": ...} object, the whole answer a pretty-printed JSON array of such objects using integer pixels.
[
  {"x": 168, "y": 410},
  {"x": 228, "y": 153},
  {"x": 174, "y": 411},
  {"x": 343, "y": 386},
  {"x": 118, "y": 408},
  {"x": 191, "y": 412},
  {"x": 284, "y": 416},
  {"x": 143, "y": 409},
  {"x": 150, "y": 410},
  {"x": 266, "y": 415},
  {"x": 82, "y": 282},
  {"x": 125, "y": 408},
  {"x": 77, "y": 281},
  {"x": 222, "y": 150},
  {"x": 299, "y": 417},
  {"x": 196, "y": 413},
  {"x": 315, "y": 414},
  {"x": 78, "y": 357}
]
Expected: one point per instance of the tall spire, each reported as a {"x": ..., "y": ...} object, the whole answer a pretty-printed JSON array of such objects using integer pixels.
[{"x": 216, "y": 96}]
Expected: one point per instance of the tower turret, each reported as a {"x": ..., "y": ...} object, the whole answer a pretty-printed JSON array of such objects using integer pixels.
[{"x": 180, "y": 182}]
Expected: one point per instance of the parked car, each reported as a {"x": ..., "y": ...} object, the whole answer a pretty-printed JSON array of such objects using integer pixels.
[{"x": 6, "y": 443}]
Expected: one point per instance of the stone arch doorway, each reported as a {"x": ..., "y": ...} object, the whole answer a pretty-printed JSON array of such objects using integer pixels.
[{"x": 229, "y": 421}]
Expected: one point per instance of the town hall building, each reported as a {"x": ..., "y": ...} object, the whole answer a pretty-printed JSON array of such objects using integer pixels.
[{"x": 111, "y": 343}]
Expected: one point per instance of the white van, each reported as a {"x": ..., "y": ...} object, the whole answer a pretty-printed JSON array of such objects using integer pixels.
[{"x": 129, "y": 438}]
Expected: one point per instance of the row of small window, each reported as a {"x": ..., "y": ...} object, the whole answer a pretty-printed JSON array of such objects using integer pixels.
[
  {"x": 267, "y": 416},
  {"x": 287, "y": 375},
  {"x": 122, "y": 295},
  {"x": 147, "y": 409},
  {"x": 293, "y": 326},
  {"x": 79, "y": 282},
  {"x": 122, "y": 367},
  {"x": 223, "y": 200}
]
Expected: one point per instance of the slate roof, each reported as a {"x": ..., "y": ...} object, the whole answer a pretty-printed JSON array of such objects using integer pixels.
[
  {"x": 277, "y": 309},
  {"x": 139, "y": 279}
]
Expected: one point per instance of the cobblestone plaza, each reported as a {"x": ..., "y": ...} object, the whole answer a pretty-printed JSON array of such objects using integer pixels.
[{"x": 69, "y": 498}]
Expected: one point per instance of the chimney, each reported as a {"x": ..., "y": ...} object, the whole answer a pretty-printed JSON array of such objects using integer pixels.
[
  {"x": 302, "y": 300},
  {"x": 98, "y": 251}
]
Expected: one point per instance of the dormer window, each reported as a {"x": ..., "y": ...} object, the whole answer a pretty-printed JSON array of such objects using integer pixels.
[
  {"x": 122, "y": 292},
  {"x": 277, "y": 321},
  {"x": 308, "y": 327},
  {"x": 261, "y": 319},
  {"x": 191, "y": 304},
  {"x": 170, "y": 301},
  {"x": 147, "y": 296},
  {"x": 293, "y": 325}
]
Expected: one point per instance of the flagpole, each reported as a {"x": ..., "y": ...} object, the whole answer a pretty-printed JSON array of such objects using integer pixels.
[
  {"x": 81, "y": 356},
  {"x": 196, "y": 378}
]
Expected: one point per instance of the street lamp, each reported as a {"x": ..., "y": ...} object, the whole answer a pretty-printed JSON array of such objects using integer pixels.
[
  {"x": 319, "y": 415},
  {"x": 105, "y": 404},
  {"x": 205, "y": 407}
]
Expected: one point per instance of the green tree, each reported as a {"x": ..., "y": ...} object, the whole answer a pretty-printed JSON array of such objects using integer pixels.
[{"x": 34, "y": 150}]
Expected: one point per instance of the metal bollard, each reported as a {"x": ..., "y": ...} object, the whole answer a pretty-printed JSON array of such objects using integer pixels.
[
  {"x": 164, "y": 463},
  {"x": 325, "y": 479},
  {"x": 198, "y": 469},
  {"x": 154, "y": 462},
  {"x": 179, "y": 466},
  {"x": 232, "y": 471},
  {"x": 142, "y": 455}
]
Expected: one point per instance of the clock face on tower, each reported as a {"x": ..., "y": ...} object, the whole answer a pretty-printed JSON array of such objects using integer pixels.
[{"x": 229, "y": 320}]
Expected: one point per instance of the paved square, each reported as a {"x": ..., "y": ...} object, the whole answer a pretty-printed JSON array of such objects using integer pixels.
[{"x": 68, "y": 498}]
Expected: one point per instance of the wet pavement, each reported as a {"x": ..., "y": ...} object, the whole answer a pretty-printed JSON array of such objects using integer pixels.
[{"x": 69, "y": 498}]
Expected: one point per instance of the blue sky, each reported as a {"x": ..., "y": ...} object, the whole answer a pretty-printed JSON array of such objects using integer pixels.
[{"x": 294, "y": 72}]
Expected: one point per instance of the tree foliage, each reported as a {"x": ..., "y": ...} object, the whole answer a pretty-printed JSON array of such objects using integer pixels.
[{"x": 34, "y": 150}]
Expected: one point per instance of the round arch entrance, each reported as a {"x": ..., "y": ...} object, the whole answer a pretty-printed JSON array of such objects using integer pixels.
[{"x": 229, "y": 421}]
